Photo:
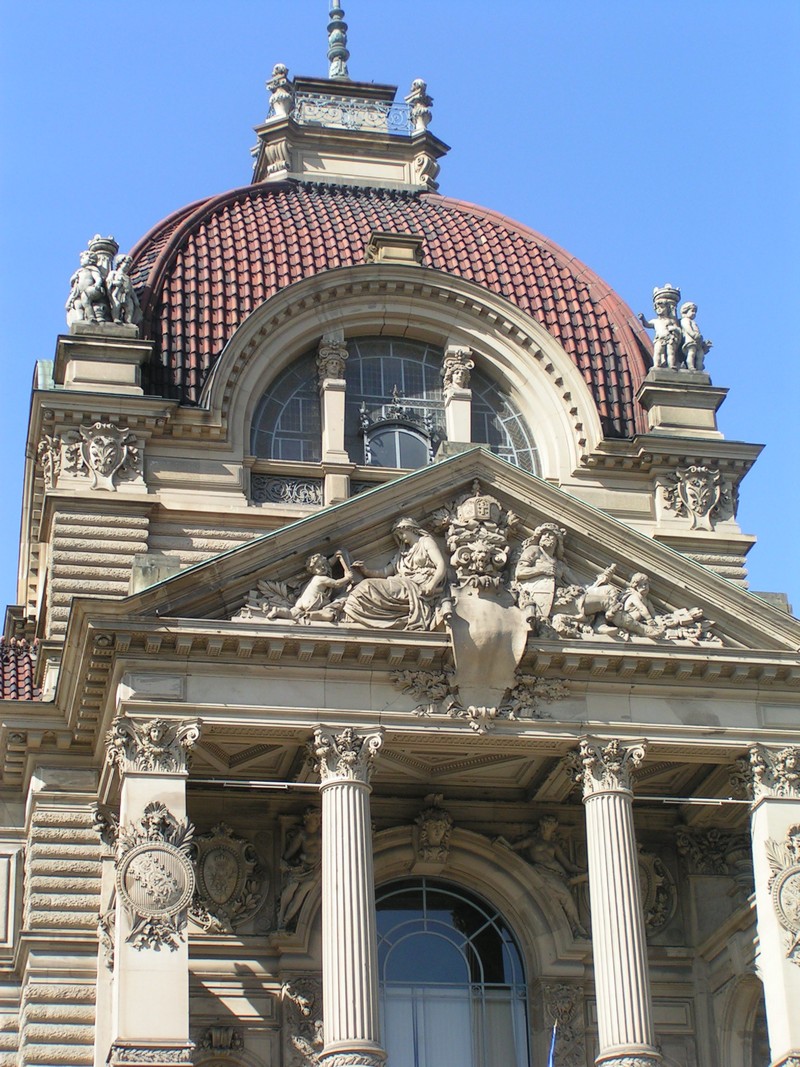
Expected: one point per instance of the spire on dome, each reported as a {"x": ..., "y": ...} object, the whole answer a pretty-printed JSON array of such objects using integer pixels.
[{"x": 338, "y": 54}]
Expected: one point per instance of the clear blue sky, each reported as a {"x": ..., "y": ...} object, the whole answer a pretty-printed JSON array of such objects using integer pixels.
[{"x": 657, "y": 142}]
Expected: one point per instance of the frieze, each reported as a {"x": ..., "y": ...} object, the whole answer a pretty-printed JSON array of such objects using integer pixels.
[
  {"x": 133, "y": 1054},
  {"x": 784, "y": 885},
  {"x": 154, "y": 877},
  {"x": 231, "y": 884},
  {"x": 155, "y": 745}
]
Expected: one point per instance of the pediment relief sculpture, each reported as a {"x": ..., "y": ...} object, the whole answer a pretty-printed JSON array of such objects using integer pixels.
[
  {"x": 462, "y": 548},
  {"x": 231, "y": 883}
]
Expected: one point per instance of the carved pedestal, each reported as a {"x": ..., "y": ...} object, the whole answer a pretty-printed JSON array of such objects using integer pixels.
[
  {"x": 154, "y": 886},
  {"x": 349, "y": 941},
  {"x": 771, "y": 776},
  {"x": 624, "y": 1009}
]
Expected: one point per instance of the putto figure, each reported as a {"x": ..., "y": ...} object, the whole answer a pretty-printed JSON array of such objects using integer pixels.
[
  {"x": 88, "y": 299},
  {"x": 125, "y": 306},
  {"x": 695, "y": 346},
  {"x": 314, "y": 602},
  {"x": 668, "y": 337}
]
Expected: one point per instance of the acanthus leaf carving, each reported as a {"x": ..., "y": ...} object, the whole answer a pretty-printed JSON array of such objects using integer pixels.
[
  {"x": 345, "y": 755},
  {"x": 768, "y": 772},
  {"x": 601, "y": 766},
  {"x": 155, "y": 745}
]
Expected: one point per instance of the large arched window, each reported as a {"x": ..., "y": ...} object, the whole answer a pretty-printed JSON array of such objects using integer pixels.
[
  {"x": 394, "y": 410},
  {"x": 451, "y": 979}
]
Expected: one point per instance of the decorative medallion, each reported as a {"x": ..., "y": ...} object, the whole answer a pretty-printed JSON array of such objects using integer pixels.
[
  {"x": 154, "y": 878},
  {"x": 230, "y": 882},
  {"x": 698, "y": 493},
  {"x": 784, "y": 883}
]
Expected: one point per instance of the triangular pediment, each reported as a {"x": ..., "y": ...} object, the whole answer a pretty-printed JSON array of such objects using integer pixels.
[{"x": 594, "y": 544}]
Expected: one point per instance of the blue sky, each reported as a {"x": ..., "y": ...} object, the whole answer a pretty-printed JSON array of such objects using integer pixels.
[{"x": 658, "y": 143}]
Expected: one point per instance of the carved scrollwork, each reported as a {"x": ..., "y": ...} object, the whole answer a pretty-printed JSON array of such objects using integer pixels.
[
  {"x": 784, "y": 884},
  {"x": 564, "y": 1005},
  {"x": 154, "y": 877},
  {"x": 698, "y": 492},
  {"x": 346, "y": 755},
  {"x": 659, "y": 894},
  {"x": 602, "y": 766},
  {"x": 231, "y": 883},
  {"x": 714, "y": 851},
  {"x": 154, "y": 745},
  {"x": 268, "y": 489},
  {"x": 106, "y": 452},
  {"x": 302, "y": 1003}
]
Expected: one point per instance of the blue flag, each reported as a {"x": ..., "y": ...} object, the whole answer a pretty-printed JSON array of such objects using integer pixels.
[{"x": 551, "y": 1059}]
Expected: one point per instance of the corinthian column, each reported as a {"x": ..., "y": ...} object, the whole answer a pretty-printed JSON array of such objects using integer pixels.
[
  {"x": 770, "y": 777},
  {"x": 154, "y": 886},
  {"x": 624, "y": 1009},
  {"x": 344, "y": 763}
]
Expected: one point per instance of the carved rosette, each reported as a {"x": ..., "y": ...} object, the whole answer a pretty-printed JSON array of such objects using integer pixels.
[
  {"x": 154, "y": 877},
  {"x": 331, "y": 357},
  {"x": 564, "y": 1006},
  {"x": 784, "y": 885},
  {"x": 154, "y": 745},
  {"x": 344, "y": 756},
  {"x": 601, "y": 767},
  {"x": 768, "y": 772},
  {"x": 230, "y": 882}
]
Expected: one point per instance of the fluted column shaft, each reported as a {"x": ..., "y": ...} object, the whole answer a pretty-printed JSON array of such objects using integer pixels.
[
  {"x": 622, "y": 986},
  {"x": 770, "y": 776},
  {"x": 349, "y": 933}
]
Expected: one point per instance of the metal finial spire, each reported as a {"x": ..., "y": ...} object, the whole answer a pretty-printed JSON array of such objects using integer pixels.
[{"x": 337, "y": 43}]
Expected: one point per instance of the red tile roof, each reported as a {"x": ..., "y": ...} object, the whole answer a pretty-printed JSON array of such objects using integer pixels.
[
  {"x": 17, "y": 660},
  {"x": 203, "y": 270}
]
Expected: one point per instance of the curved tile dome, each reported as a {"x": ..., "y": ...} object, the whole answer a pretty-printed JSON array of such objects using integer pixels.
[{"x": 204, "y": 269}]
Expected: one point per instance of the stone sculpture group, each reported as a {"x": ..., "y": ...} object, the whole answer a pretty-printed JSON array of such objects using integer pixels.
[
  {"x": 677, "y": 345},
  {"x": 101, "y": 289}
]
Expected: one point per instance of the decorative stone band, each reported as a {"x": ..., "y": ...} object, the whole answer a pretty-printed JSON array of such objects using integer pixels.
[
  {"x": 768, "y": 772},
  {"x": 150, "y": 1054},
  {"x": 154, "y": 745},
  {"x": 605, "y": 766},
  {"x": 344, "y": 756},
  {"x": 630, "y": 1061},
  {"x": 351, "y": 1059}
]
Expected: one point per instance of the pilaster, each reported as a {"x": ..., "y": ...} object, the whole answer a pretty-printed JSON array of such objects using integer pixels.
[
  {"x": 344, "y": 760},
  {"x": 605, "y": 770},
  {"x": 154, "y": 885},
  {"x": 770, "y": 776}
]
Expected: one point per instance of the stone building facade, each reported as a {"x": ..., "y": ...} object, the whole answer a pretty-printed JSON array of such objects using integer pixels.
[{"x": 384, "y": 679}]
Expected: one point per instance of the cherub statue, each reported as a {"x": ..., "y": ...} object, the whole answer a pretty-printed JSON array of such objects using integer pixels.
[
  {"x": 124, "y": 301},
  {"x": 695, "y": 345},
  {"x": 668, "y": 337},
  {"x": 88, "y": 299},
  {"x": 314, "y": 602}
]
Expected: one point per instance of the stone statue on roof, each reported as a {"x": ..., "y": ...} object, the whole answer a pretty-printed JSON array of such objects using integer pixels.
[
  {"x": 668, "y": 339},
  {"x": 125, "y": 305},
  {"x": 88, "y": 298},
  {"x": 695, "y": 345}
]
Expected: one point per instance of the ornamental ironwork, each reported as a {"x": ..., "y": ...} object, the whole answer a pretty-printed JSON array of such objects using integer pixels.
[{"x": 267, "y": 489}]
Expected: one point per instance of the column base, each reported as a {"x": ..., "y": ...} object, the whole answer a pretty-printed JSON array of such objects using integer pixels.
[
  {"x": 153, "y": 1055},
  {"x": 630, "y": 1056},
  {"x": 353, "y": 1055}
]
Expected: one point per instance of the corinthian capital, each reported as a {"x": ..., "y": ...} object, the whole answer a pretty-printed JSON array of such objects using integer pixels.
[
  {"x": 347, "y": 756},
  {"x": 154, "y": 745},
  {"x": 768, "y": 772},
  {"x": 599, "y": 766}
]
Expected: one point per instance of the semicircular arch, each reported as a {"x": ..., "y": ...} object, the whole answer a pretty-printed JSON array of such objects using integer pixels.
[{"x": 414, "y": 302}]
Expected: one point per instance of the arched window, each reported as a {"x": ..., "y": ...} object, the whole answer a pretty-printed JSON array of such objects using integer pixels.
[
  {"x": 451, "y": 979},
  {"x": 394, "y": 410}
]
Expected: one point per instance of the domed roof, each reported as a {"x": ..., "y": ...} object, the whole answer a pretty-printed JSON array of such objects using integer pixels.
[{"x": 204, "y": 269}]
